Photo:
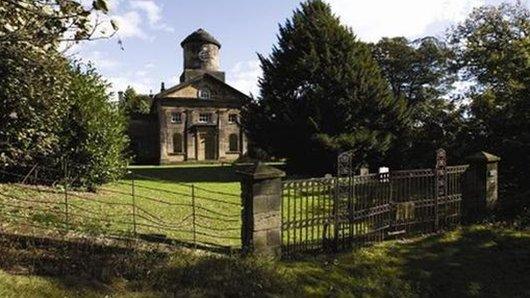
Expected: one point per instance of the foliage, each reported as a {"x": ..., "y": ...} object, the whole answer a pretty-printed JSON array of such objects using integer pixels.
[
  {"x": 45, "y": 24},
  {"x": 33, "y": 96},
  {"x": 92, "y": 139},
  {"x": 134, "y": 104},
  {"x": 41, "y": 93},
  {"x": 492, "y": 47},
  {"x": 422, "y": 73},
  {"x": 322, "y": 92},
  {"x": 418, "y": 70}
]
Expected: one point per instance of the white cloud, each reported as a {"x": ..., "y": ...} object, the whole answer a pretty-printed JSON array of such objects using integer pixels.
[
  {"x": 374, "y": 19},
  {"x": 129, "y": 25},
  {"x": 153, "y": 13},
  {"x": 244, "y": 76}
]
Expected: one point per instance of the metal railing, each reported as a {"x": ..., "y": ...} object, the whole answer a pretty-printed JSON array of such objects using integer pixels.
[
  {"x": 335, "y": 213},
  {"x": 134, "y": 207}
]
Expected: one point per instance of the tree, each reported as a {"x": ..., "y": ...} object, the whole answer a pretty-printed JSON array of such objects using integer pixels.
[
  {"x": 133, "y": 103},
  {"x": 39, "y": 89},
  {"x": 322, "y": 92},
  {"x": 421, "y": 72},
  {"x": 93, "y": 138},
  {"x": 45, "y": 24},
  {"x": 492, "y": 47},
  {"x": 33, "y": 97}
]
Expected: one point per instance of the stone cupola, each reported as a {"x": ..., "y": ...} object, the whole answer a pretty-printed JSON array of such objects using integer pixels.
[{"x": 201, "y": 55}]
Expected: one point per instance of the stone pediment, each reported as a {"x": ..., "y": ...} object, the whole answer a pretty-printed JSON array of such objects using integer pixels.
[{"x": 218, "y": 90}]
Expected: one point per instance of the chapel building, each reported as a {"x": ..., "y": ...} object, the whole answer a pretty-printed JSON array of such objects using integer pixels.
[{"x": 199, "y": 119}]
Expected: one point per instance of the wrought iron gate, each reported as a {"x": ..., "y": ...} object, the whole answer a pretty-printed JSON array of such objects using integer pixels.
[{"x": 346, "y": 210}]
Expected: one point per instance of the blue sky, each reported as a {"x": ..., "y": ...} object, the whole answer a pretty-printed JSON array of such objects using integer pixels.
[{"x": 151, "y": 32}]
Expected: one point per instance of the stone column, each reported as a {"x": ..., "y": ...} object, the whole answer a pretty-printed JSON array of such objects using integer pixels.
[
  {"x": 481, "y": 185},
  {"x": 261, "y": 196}
]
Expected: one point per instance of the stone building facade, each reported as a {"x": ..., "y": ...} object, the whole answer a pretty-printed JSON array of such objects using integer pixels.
[{"x": 198, "y": 119}]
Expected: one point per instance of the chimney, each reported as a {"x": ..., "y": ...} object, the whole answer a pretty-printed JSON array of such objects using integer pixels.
[
  {"x": 162, "y": 87},
  {"x": 120, "y": 96}
]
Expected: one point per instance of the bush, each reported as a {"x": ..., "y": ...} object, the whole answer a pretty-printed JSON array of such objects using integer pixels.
[{"x": 93, "y": 140}]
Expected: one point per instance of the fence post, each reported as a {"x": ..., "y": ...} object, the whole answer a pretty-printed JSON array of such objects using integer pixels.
[
  {"x": 133, "y": 193},
  {"x": 481, "y": 186},
  {"x": 441, "y": 186},
  {"x": 261, "y": 195},
  {"x": 65, "y": 168},
  {"x": 193, "y": 215}
]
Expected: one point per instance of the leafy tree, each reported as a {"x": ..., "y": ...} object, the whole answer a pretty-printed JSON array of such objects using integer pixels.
[
  {"x": 38, "y": 89},
  {"x": 418, "y": 70},
  {"x": 93, "y": 137},
  {"x": 492, "y": 47},
  {"x": 45, "y": 24},
  {"x": 133, "y": 103},
  {"x": 322, "y": 92},
  {"x": 33, "y": 97},
  {"x": 421, "y": 72}
]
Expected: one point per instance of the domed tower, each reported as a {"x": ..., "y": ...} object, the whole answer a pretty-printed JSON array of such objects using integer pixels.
[{"x": 201, "y": 55}]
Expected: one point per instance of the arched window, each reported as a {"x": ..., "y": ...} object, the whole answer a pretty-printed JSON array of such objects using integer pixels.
[
  {"x": 178, "y": 146},
  {"x": 233, "y": 142}
]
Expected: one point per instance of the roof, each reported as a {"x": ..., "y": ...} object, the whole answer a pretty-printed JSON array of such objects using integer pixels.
[
  {"x": 194, "y": 80},
  {"x": 201, "y": 36}
]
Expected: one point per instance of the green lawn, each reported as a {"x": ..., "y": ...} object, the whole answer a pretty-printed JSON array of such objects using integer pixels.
[
  {"x": 186, "y": 203},
  {"x": 485, "y": 261}
]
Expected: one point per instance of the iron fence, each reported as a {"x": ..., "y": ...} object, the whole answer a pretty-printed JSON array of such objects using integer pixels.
[
  {"x": 134, "y": 207},
  {"x": 330, "y": 214}
]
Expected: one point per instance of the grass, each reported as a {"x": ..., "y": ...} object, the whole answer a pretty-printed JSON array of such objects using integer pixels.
[
  {"x": 162, "y": 206},
  {"x": 484, "y": 260},
  {"x": 472, "y": 261}
]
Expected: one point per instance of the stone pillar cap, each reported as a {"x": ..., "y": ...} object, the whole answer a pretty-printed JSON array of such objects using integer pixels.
[
  {"x": 260, "y": 170},
  {"x": 483, "y": 156}
]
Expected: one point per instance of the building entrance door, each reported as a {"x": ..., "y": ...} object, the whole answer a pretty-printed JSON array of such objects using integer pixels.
[{"x": 207, "y": 146}]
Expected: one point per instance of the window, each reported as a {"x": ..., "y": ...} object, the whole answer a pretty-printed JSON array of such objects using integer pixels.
[
  {"x": 203, "y": 93},
  {"x": 205, "y": 118},
  {"x": 232, "y": 118},
  {"x": 176, "y": 118},
  {"x": 178, "y": 146},
  {"x": 233, "y": 143}
]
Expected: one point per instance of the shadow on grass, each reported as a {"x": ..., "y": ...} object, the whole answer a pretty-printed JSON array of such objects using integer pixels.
[
  {"x": 474, "y": 261},
  {"x": 471, "y": 262},
  {"x": 88, "y": 267},
  {"x": 189, "y": 174}
]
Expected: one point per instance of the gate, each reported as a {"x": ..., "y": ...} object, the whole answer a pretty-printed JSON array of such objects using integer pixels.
[{"x": 330, "y": 214}]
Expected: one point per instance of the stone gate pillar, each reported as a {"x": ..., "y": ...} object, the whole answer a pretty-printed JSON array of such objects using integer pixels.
[
  {"x": 261, "y": 195},
  {"x": 481, "y": 185}
]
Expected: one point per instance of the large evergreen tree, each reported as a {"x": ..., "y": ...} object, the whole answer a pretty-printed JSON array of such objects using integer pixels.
[{"x": 322, "y": 92}]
